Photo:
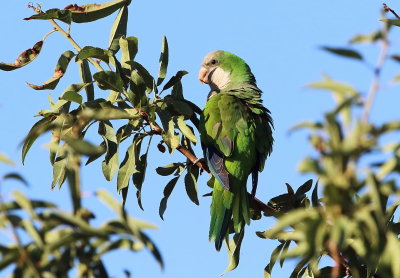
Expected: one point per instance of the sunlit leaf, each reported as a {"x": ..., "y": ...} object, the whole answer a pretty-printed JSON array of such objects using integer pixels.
[
  {"x": 110, "y": 162},
  {"x": 109, "y": 80},
  {"x": 24, "y": 58},
  {"x": 186, "y": 130},
  {"x": 234, "y": 251},
  {"x": 94, "y": 52},
  {"x": 86, "y": 77},
  {"x": 4, "y": 159}
]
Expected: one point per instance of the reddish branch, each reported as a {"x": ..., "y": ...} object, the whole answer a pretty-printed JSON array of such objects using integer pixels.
[
  {"x": 256, "y": 203},
  {"x": 389, "y": 10}
]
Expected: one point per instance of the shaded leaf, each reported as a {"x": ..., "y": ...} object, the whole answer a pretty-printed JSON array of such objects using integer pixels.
[
  {"x": 142, "y": 71},
  {"x": 16, "y": 176},
  {"x": 234, "y": 251},
  {"x": 24, "y": 58},
  {"x": 186, "y": 130},
  {"x": 110, "y": 162},
  {"x": 139, "y": 176},
  {"x": 94, "y": 52},
  {"x": 344, "y": 52},
  {"x": 129, "y": 47},
  {"x": 37, "y": 129},
  {"x": 109, "y": 80},
  {"x": 86, "y": 77},
  {"x": 174, "y": 79},
  {"x": 59, "y": 171},
  {"x": 191, "y": 186},
  {"x": 167, "y": 192},
  {"x": 168, "y": 169}
]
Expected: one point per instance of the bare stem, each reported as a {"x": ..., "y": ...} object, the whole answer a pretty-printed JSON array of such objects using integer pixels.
[
  {"x": 73, "y": 42},
  {"x": 374, "y": 88},
  {"x": 389, "y": 10}
]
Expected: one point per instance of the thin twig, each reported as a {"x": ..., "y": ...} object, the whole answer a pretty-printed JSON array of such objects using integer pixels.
[
  {"x": 387, "y": 10},
  {"x": 256, "y": 203},
  {"x": 374, "y": 88}
]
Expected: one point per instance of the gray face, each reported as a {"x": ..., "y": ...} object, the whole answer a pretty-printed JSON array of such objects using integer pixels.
[{"x": 212, "y": 74}]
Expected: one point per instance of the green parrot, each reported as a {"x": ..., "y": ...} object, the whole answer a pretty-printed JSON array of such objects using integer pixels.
[{"x": 236, "y": 137}]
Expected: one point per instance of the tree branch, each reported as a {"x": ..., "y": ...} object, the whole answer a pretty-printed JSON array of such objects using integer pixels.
[
  {"x": 389, "y": 10},
  {"x": 255, "y": 203}
]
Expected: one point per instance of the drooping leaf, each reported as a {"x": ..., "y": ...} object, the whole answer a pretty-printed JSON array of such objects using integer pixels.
[
  {"x": 24, "y": 58},
  {"x": 147, "y": 78},
  {"x": 167, "y": 192},
  {"x": 274, "y": 257},
  {"x": 139, "y": 176},
  {"x": 37, "y": 129},
  {"x": 395, "y": 22},
  {"x": 109, "y": 80},
  {"x": 106, "y": 197},
  {"x": 62, "y": 15},
  {"x": 118, "y": 29},
  {"x": 86, "y": 77},
  {"x": 191, "y": 186},
  {"x": 234, "y": 251},
  {"x": 92, "y": 12},
  {"x": 110, "y": 162},
  {"x": 162, "y": 72},
  {"x": 127, "y": 167},
  {"x": 59, "y": 72},
  {"x": 59, "y": 171},
  {"x": 83, "y": 147},
  {"x": 71, "y": 93},
  {"x": 344, "y": 52}
]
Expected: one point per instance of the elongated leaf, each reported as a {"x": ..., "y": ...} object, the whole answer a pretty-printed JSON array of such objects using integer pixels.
[
  {"x": 110, "y": 162},
  {"x": 92, "y": 12},
  {"x": 16, "y": 176},
  {"x": 139, "y": 176},
  {"x": 344, "y": 52},
  {"x": 234, "y": 251},
  {"x": 59, "y": 72},
  {"x": 147, "y": 78},
  {"x": 6, "y": 160},
  {"x": 59, "y": 171},
  {"x": 395, "y": 22},
  {"x": 168, "y": 169},
  {"x": 109, "y": 80},
  {"x": 367, "y": 38},
  {"x": 174, "y": 79},
  {"x": 37, "y": 129},
  {"x": 167, "y": 192},
  {"x": 71, "y": 93},
  {"x": 191, "y": 186},
  {"x": 86, "y": 77},
  {"x": 24, "y": 202},
  {"x": 127, "y": 167},
  {"x": 83, "y": 147},
  {"x": 162, "y": 72},
  {"x": 94, "y": 52},
  {"x": 334, "y": 86},
  {"x": 303, "y": 189},
  {"x": 118, "y": 29},
  {"x": 106, "y": 197},
  {"x": 129, "y": 47},
  {"x": 186, "y": 130},
  {"x": 24, "y": 58},
  {"x": 62, "y": 15},
  {"x": 274, "y": 257}
]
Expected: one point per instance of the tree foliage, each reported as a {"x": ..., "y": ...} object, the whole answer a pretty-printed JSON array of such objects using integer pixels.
[{"x": 347, "y": 215}]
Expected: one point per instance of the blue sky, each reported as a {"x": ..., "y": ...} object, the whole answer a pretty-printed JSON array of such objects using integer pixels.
[{"x": 280, "y": 41}]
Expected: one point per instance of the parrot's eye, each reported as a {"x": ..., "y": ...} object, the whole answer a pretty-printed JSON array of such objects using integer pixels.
[{"x": 213, "y": 62}]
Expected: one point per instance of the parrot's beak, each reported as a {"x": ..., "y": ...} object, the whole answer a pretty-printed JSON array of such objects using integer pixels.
[{"x": 203, "y": 75}]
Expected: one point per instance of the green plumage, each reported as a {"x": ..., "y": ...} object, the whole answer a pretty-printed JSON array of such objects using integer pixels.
[{"x": 236, "y": 135}]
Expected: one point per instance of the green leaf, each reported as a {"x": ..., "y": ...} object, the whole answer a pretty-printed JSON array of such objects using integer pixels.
[
  {"x": 334, "y": 86},
  {"x": 186, "y": 130},
  {"x": 16, "y": 176},
  {"x": 284, "y": 251},
  {"x": 129, "y": 47},
  {"x": 314, "y": 196},
  {"x": 368, "y": 38},
  {"x": 81, "y": 14},
  {"x": 234, "y": 251},
  {"x": 59, "y": 72},
  {"x": 59, "y": 171},
  {"x": 110, "y": 162},
  {"x": 170, "y": 137},
  {"x": 37, "y": 129},
  {"x": 83, "y": 146},
  {"x": 127, "y": 167},
  {"x": 106, "y": 197},
  {"x": 274, "y": 257},
  {"x": 94, "y": 52},
  {"x": 303, "y": 189},
  {"x": 86, "y": 77},
  {"x": 344, "y": 52},
  {"x": 162, "y": 73},
  {"x": 168, "y": 169},
  {"x": 142, "y": 71},
  {"x": 24, "y": 58},
  {"x": 62, "y": 15},
  {"x": 72, "y": 96},
  {"x": 24, "y": 202},
  {"x": 139, "y": 176},
  {"x": 167, "y": 192},
  {"x": 395, "y": 22},
  {"x": 4, "y": 159},
  {"x": 109, "y": 80},
  {"x": 191, "y": 186},
  {"x": 118, "y": 29},
  {"x": 174, "y": 79}
]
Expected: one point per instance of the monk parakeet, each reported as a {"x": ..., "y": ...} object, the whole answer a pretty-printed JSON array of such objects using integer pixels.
[{"x": 236, "y": 137}]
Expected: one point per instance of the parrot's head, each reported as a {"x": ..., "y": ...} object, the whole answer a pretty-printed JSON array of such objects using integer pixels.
[{"x": 220, "y": 69}]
